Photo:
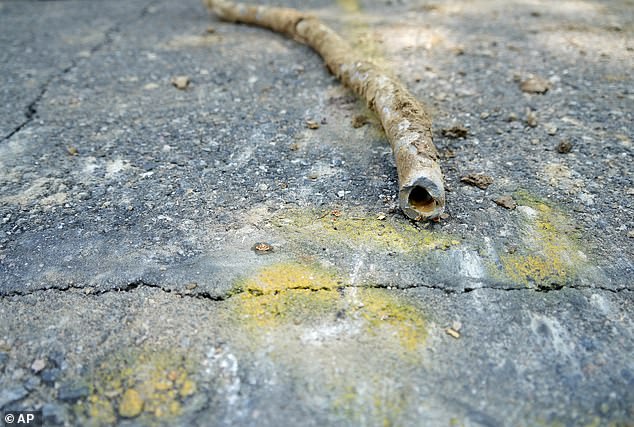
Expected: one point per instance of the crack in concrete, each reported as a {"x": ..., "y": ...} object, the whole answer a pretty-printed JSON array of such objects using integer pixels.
[
  {"x": 140, "y": 283},
  {"x": 30, "y": 112},
  {"x": 129, "y": 287},
  {"x": 466, "y": 290}
]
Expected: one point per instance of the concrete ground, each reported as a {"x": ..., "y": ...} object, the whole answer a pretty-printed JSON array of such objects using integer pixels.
[{"x": 132, "y": 290}]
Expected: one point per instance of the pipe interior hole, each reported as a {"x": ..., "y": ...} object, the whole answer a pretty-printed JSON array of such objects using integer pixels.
[{"x": 421, "y": 200}]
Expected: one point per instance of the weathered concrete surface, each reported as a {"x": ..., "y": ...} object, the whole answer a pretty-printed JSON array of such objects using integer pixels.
[{"x": 129, "y": 290}]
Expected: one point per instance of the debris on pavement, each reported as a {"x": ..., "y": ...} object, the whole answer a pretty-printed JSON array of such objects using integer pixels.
[
  {"x": 535, "y": 84},
  {"x": 551, "y": 130},
  {"x": 479, "y": 180},
  {"x": 506, "y": 202},
  {"x": 564, "y": 146},
  {"x": 453, "y": 333},
  {"x": 531, "y": 119},
  {"x": 180, "y": 82},
  {"x": 359, "y": 120},
  {"x": 262, "y": 248},
  {"x": 38, "y": 365},
  {"x": 311, "y": 124},
  {"x": 455, "y": 132}
]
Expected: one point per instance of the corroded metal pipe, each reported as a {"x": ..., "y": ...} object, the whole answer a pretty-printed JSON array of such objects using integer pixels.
[{"x": 405, "y": 120}]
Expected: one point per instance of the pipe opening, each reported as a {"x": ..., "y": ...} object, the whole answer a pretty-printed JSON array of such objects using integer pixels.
[{"x": 421, "y": 200}]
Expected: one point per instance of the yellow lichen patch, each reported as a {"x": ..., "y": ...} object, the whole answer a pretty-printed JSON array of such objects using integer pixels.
[
  {"x": 294, "y": 294},
  {"x": 360, "y": 229},
  {"x": 534, "y": 268},
  {"x": 315, "y": 325},
  {"x": 351, "y": 6},
  {"x": 290, "y": 276},
  {"x": 551, "y": 258},
  {"x": 386, "y": 313},
  {"x": 100, "y": 411},
  {"x": 287, "y": 292},
  {"x": 131, "y": 404},
  {"x": 142, "y": 384},
  {"x": 188, "y": 388}
]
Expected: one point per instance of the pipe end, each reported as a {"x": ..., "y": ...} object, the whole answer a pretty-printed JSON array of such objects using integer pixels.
[{"x": 424, "y": 200}]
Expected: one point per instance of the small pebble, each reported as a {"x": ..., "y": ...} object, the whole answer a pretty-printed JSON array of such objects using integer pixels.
[
  {"x": 38, "y": 365},
  {"x": 455, "y": 132},
  {"x": 458, "y": 50},
  {"x": 479, "y": 180},
  {"x": 262, "y": 248},
  {"x": 311, "y": 124},
  {"x": 531, "y": 119},
  {"x": 180, "y": 82},
  {"x": 535, "y": 84},
  {"x": 453, "y": 333},
  {"x": 506, "y": 202},
  {"x": 564, "y": 146}
]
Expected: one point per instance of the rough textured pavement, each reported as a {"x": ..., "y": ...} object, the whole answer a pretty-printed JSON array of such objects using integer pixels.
[{"x": 130, "y": 289}]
